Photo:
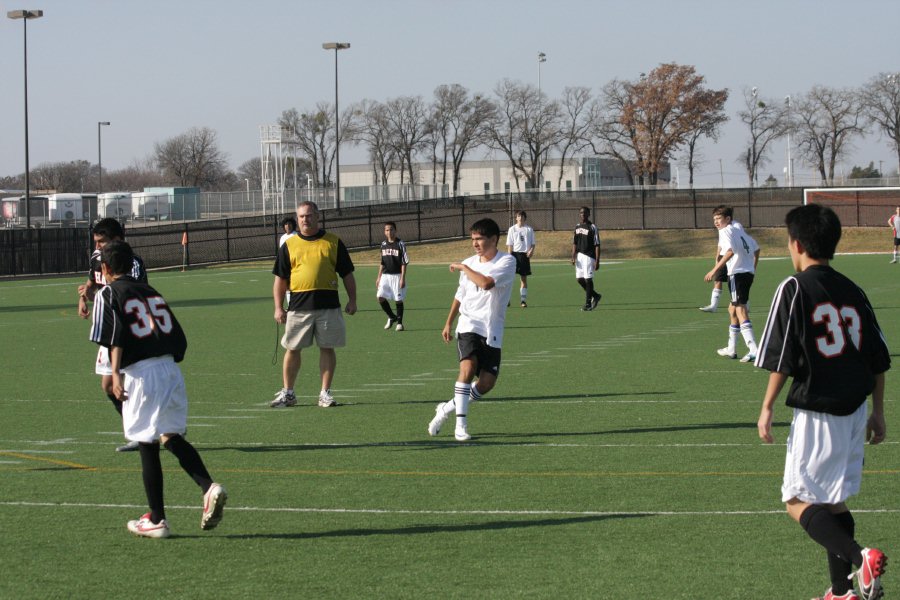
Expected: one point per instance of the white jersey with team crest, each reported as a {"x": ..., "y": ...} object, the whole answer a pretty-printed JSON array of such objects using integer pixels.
[
  {"x": 737, "y": 240},
  {"x": 521, "y": 239},
  {"x": 484, "y": 311}
]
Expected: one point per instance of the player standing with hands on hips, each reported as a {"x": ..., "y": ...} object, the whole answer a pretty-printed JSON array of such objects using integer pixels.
[
  {"x": 390, "y": 284},
  {"x": 894, "y": 224},
  {"x": 145, "y": 342},
  {"x": 822, "y": 332},
  {"x": 586, "y": 257},
  {"x": 485, "y": 281},
  {"x": 520, "y": 243}
]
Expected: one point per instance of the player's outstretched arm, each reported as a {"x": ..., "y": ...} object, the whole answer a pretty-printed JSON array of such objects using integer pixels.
[{"x": 764, "y": 424}]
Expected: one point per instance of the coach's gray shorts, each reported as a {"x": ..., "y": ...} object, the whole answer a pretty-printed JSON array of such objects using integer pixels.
[{"x": 325, "y": 325}]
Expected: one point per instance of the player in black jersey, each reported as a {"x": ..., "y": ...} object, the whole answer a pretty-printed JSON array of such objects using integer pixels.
[
  {"x": 145, "y": 340},
  {"x": 822, "y": 332},
  {"x": 586, "y": 257},
  {"x": 390, "y": 284},
  {"x": 103, "y": 232}
]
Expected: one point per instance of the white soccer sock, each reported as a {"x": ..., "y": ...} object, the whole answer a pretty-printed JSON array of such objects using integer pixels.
[
  {"x": 733, "y": 332},
  {"x": 460, "y": 402},
  {"x": 714, "y": 297},
  {"x": 747, "y": 332},
  {"x": 523, "y": 293}
]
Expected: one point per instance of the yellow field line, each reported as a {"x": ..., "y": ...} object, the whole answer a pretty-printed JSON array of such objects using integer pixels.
[{"x": 63, "y": 463}]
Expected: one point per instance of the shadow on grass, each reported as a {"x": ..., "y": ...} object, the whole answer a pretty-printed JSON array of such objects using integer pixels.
[
  {"x": 429, "y": 529},
  {"x": 491, "y": 399},
  {"x": 696, "y": 427}
]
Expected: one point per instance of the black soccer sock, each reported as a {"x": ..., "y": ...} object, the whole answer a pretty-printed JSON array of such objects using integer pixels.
[
  {"x": 581, "y": 282},
  {"x": 151, "y": 470},
  {"x": 190, "y": 461},
  {"x": 838, "y": 568},
  {"x": 116, "y": 403},
  {"x": 399, "y": 312},
  {"x": 386, "y": 307},
  {"x": 829, "y": 532},
  {"x": 589, "y": 290}
]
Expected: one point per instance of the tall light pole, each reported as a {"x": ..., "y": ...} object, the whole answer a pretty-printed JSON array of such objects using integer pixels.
[
  {"x": 25, "y": 15},
  {"x": 790, "y": 163},
  {"x": 542, "y": 58},
  {"x": 100, "y": 158},
  {"x": 337, "y": 127}
]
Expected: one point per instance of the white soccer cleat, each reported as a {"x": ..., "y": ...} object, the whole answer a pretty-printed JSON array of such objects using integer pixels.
[
  {"x": 400, "y": 327},
  {"x": 144, "y": 527},
  {"x": 709, "y": 309},
  {"x": 213, "y": 505},
  {"x": 748, "y": 358},
  {"x": 326, "y": 399},
  {"x": 726, "y": 352},
  {"x": 389, "y": 324},
  {"x": 437, "y": 422},
  {"x": 893, "y": 260},
  {"x": 462, "y": 434}
]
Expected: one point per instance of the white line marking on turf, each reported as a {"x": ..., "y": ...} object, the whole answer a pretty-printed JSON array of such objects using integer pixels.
[
  {"x": 484, "y": 512},
  {"x": 32, "y": 451},
  {"x": 223, "y": 417}
]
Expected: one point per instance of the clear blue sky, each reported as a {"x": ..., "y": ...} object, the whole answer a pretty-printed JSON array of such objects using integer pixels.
[{"x": 156, "y": 68}]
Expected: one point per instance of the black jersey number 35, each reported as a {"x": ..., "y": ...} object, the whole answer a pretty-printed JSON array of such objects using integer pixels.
[{"x": 153, "y": 312}]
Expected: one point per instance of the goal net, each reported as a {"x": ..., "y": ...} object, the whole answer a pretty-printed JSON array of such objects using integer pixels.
[{"x": 857, "y": 207}]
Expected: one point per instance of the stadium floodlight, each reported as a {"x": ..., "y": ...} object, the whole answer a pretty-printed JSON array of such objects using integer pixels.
[
  {"x": 26, "y": 15},
  {"x": 336, "y": 46}
]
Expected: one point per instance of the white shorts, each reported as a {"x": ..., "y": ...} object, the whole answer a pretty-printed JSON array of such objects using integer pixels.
[
  {"x": 584, "y": 266},
  {"x": 102, "y": 366},
  {"x": 389, "y": 288},
  {"x": 824, "y": 456},
  {"x": 156, "y": 400}
]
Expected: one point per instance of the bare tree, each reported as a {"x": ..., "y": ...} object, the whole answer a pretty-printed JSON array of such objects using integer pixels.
[
  {"x": 192, "y": 158},
  {"x": 827, "y": 120},
  {"x": 767, "y": 121},
  {"x": 139, "y": 174},
  {"x": 881, "y": 103},
  {"x": 578, "y": 118},
  {"x": 74, "y": 176},
  {"x": 525, "y": 127},
  {"x": 251, "y": 171},
  {"x": 613, "y": 137},
  {"x": 459, "y": 124},
  {"x": 708, "y": 127},
  {"x": 408, "y": 121},
  {"x": 372, "y": 130}
]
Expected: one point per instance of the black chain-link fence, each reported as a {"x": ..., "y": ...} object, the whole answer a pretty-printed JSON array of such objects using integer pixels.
[{"x": 67, "y": 250}]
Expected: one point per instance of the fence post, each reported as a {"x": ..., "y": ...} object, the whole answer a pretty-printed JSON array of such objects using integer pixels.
[
  {"x": 462, "y": 214},
  {"x": 750, "y": 207},
  {"x": 419, "y": 220},
  {"x": 40, "y": 245},
  {"x": 643, "y": 205},
  {"x": 369, "y": 220},
  {"x": 694, "y": 202},
  {"x": 227, "y": 240},
  {"x": 552, "y": 213}
]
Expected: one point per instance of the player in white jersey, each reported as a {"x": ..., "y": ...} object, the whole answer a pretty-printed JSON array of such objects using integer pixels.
[
  {"x": 720, "y": 278},
  {"x": 289, "y": 226},
  {"x": 520, "y": 243},
  {"x": 894, "y": 224},
  {"x": 740, "y": 254},
  {"x": 485, "y": 282}
]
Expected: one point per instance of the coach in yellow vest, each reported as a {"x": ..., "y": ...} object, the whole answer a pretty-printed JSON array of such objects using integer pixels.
[{"x": 308, "y": 265}]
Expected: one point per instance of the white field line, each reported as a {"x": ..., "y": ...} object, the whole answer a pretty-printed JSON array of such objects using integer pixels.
[{"x": 474, "y": 512}]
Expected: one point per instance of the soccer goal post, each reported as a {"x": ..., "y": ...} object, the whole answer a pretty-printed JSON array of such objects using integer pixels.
[{"x": 857, "y": 207}]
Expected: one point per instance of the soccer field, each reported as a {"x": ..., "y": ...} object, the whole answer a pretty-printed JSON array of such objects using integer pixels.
[{"x": 616, "y": 458}]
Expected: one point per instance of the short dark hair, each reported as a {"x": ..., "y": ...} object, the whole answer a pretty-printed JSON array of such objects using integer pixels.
[
  {"x": 118, "y": 257},
  {"x": 723, "y": 210},
  {"x": 109, "y": 228},
  {"x": 585, "y": 210},
  {"x": 290, "y": 221},
  {"x": 816, "y": 227},
  {"x": 486, "y": 227},
  {"x": 390, "y": 224},
  {"x": 522, "y": 213}
]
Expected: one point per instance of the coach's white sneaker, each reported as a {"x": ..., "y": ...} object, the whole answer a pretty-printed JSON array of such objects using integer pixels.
[
  {"x": 726, "y": 352},
  {"x": 437, "y": 422},
  {"x": 213, "y": 505},
  {"x": 144, "y": 527},
  {"x": 400, "y": 327},
  {"x": 748, "y": 358},
  {"x": 284, "y": 399},
  {"x": 709, "y": 309},
  {"x": 326, "y": 399},
  {"x": 462, "y": 434}
]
